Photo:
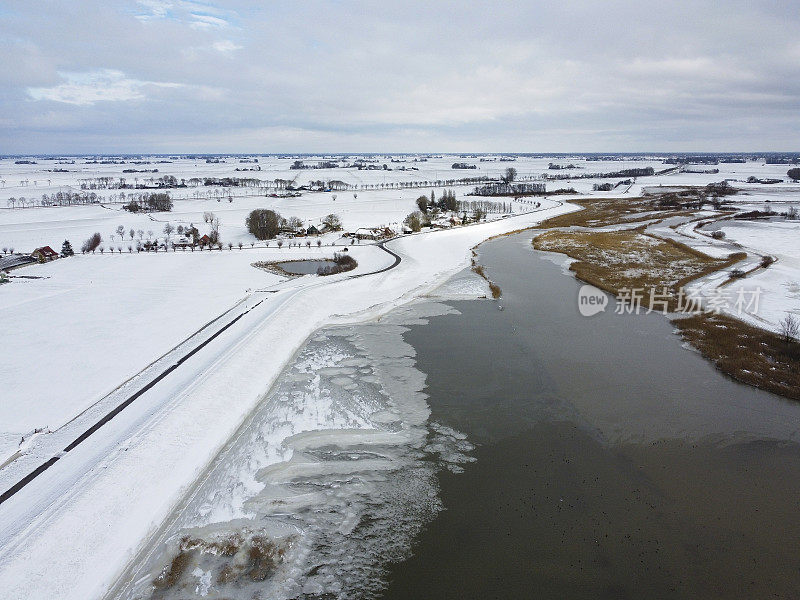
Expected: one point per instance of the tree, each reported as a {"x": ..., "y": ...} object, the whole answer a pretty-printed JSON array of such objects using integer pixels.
[
  {"x": 263, "y": 223},
  {"x": 790, "y": 328},
  {"x": 448, "y": 201},
  {"x": 66, "y": 249},
  {"x": 193, "y": 233},
  {"x": 92, "y": 243},
  {"x": 168, "y": 230},
  {"x": 131, "y": 232},
  {"x": 214, "y": 231},
  {"x": 422, "y": 203},
  {"x": 294, "y": 223},
  {"x": 140, "y": 233},
  {"x": 159, "y": 202},
  {"x": 794, "y": 174},
  {"x": 332, "y": 222},
  {"x": 511, "y": 175},
  {"x": 414, "y": 221},
  {"x": 121, "y": 231}
]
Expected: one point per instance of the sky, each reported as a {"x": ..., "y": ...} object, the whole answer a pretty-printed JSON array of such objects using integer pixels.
[{"x": 94, "y": 76}]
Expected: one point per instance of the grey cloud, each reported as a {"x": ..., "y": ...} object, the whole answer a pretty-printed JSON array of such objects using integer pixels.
[{"x": 187, "y": 75}]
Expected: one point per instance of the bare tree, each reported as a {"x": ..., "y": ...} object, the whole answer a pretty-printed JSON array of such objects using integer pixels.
[
  {"x": 332, "y": 222},
  {"x": 214, "y": 233},
  {"x": 131, "y": 232},
  {"x": 92, "y": 243},
  {"x": 121, "y": 232},
  {"x": 790, "y": 328}
]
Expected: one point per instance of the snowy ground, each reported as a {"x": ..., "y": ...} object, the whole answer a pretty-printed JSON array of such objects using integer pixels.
[
  {"x": 91, "y": 322},
  {"x": 778, "y": 286},
  {"x": 376, "y": 204}
]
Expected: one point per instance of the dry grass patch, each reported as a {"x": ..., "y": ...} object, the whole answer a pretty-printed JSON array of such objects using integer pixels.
[
  {"x": 600, "y": 212},
  {"x": 746, "y": 353},
  {"x": 238, "y": 557},
  {"x": 619, "y": 260}
]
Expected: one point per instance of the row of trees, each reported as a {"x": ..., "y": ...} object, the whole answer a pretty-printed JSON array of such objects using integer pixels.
[{"x": 55, "y": 199}]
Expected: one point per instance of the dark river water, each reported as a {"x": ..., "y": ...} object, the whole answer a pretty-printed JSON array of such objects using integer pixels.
[{"x": 611, "y": 462}]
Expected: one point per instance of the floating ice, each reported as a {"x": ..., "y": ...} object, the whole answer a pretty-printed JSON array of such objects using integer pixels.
[{"x": 326, "y": 483}]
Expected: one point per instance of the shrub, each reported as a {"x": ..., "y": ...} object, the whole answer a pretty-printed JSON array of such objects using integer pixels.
[
  {"x": 265, "y": 224},
  {"x": 790, "y": 328},
  {"x": 92, "y": 243},
  {"x": 342, "y": 263}
]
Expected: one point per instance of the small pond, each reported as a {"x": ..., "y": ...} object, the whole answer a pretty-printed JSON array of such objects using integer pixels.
[{"x": 304, "y": 267}]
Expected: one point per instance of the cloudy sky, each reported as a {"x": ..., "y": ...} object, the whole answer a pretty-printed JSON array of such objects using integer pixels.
[{"x": 338, "y": 76}]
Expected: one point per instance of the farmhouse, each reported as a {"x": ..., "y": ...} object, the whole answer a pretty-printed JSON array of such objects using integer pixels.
[
  {"x": 363, "y": 233},
  {"x": 45, "y": 253}
]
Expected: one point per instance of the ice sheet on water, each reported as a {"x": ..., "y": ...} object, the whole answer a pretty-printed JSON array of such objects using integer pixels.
[{"x": 328, "y": 481}]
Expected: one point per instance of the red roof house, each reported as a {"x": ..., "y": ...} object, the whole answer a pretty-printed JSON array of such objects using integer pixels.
[{"x": 44, "y": 253}]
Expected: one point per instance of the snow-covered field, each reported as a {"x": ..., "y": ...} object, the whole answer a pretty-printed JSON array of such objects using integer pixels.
[
  {"x": 375, "y": 203},
  {"x": 87, "y": 324},
  {"x": 778, "y": 286}
]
